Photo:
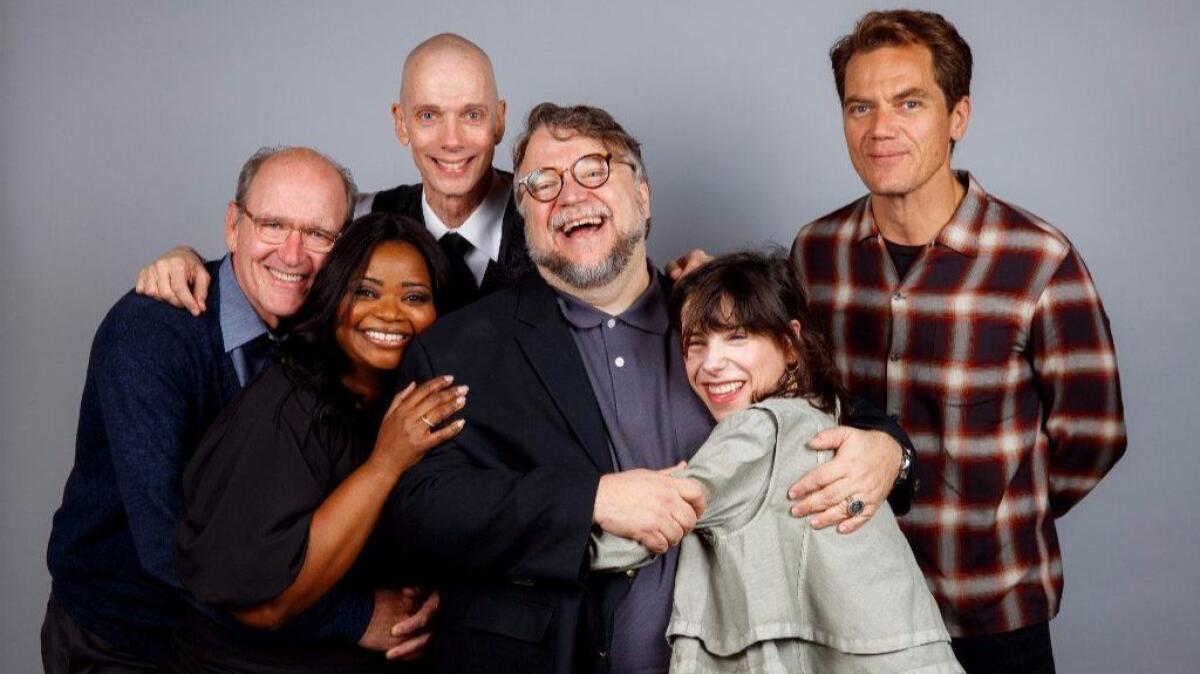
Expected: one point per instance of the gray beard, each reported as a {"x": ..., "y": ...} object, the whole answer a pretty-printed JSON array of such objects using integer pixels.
[{"x": 596, "y": 276}]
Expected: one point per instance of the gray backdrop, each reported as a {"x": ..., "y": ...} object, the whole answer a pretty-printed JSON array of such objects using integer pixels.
[{"x": 123, "y": 125}]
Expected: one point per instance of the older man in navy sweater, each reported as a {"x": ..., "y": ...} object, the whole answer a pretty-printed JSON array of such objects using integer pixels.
[{"x": 156, "y": 379}]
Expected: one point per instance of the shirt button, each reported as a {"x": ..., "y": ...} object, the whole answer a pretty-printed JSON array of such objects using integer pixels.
[
  {"x": 612, "y": 323},
  {"x": 631, "y": 573},
  {"x": 619, "y": 362},
  {"x": 899, "y": 297}
]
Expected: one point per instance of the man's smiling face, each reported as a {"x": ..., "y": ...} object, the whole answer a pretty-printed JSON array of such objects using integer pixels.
[
  {"x": 297, "y": 189},
  {"x": 585, "y": 236}
]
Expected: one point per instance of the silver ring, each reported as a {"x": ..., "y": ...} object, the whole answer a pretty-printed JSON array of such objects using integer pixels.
[
  {"x": 428, "y": 423},
  {"x": 854, "y": 506}
]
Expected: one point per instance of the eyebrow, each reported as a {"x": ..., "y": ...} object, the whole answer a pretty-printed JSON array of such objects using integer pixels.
[
  {"x": 913, "y": 92},
  {"x": 404, "y": 284}
]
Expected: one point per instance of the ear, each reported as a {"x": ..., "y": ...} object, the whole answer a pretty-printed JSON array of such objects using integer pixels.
[
  {"x": 643, "y": 188},
  {"x": 790, "y": 351},
  {"x": 960, "y": 116},
  {"x": 232, "y": 213},
  {"x": 399, "y": 122},
  {"x": 501, "y": 109}
]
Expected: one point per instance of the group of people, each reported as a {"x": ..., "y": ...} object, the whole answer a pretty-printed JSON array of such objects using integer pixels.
[{"x": 466, "y": 425}]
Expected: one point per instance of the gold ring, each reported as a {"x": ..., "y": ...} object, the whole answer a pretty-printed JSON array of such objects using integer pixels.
[{"x": 428, "y": 423}]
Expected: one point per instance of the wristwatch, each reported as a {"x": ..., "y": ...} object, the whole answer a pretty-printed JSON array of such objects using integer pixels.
[{"x": 906, "y": 461}]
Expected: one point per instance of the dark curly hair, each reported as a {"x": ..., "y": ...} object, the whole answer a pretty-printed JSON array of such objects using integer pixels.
[
  {"x": 310, "y": 352},
  {"x": 761, "y": 294}
]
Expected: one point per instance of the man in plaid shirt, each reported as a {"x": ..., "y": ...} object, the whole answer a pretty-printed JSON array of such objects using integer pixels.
[{"x": 977, "y": 326}]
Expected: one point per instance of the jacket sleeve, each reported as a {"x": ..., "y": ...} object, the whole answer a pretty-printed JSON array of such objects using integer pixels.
[
  {"x": 462, "y": 509},
  {"x": 733, "y": 466}
]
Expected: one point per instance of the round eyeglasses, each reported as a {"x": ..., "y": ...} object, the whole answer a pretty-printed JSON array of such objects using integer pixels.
[
  {"x": 590, "y": 171},
  {"x": 276, "y": 232}
]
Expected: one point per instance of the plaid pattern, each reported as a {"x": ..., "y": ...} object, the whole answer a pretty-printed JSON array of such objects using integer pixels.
[{"x": 995, "y": 355}]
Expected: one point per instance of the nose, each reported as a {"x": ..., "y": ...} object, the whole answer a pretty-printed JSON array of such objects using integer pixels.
[
  {"x": 882, "y": 123},
  {"x": 714, "y": 360},
  {"x": 571, "y": 192},
  {"x": 451, "y": 133},
  {"x": 291, "y": 251}
]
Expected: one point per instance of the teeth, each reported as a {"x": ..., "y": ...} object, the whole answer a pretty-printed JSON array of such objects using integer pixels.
[
  {"x": 385, "y": 337},
  {"x": 452, "y": 165},
  {"x": 584, "y": 222},
  {"x": 727, "y": 387},
  {"x": 286, "y": 277}
]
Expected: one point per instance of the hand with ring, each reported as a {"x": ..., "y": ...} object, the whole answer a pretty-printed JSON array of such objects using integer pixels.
[
  {"x": 848, "y": 489},
  {"x": 416, "y": 422}
]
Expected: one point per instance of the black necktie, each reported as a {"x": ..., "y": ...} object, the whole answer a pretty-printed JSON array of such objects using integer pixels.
[
  {"x": 258, "y": 353},
  {"x": 461, "y": 287}
]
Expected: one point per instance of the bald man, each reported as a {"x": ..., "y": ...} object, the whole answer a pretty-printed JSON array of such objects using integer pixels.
[{"x": 451, "y": 116}]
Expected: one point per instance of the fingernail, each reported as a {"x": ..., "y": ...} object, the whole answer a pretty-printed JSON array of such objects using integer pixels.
[
  {"x": 795, "y": 512},
  {"x": 461, "y": 423},
  {"x": 462, "y": 390},
  {"x": 460, "y": 401},
  {"x": 449, "y": 378}
]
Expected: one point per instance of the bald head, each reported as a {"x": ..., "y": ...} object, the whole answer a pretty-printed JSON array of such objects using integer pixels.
[
  {"x": 448, "y": 50},
  {"x": 451, "y": 117}
]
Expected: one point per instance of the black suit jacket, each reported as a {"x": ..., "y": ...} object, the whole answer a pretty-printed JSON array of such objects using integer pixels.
[
  {"x": 513, "y": 263},
  {"x": 502, "y": 515}
]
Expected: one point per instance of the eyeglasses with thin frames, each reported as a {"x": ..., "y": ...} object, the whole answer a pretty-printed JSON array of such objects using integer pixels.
[{"x": 276, "y": 232}]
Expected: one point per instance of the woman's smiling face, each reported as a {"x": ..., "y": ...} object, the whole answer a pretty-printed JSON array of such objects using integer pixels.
[
  {"x": 730, "y": 369},
  {"x": 392, "y": 302}
]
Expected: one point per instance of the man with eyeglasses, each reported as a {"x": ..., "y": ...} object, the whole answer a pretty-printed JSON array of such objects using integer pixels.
[
  {"x": 450, "y": 114},
  {"x": 580, "y": 411},
  {"x": 157, "y": 378}
]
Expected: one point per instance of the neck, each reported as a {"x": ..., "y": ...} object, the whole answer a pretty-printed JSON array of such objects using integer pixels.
[
  {"x": 454, "y": 209},
  {"x": 915, "y": 218},
  {"x": 614, "y": 297},
  {"x": 362, "y": 384}
]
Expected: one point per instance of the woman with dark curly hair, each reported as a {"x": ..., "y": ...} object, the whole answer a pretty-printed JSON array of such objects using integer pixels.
[{"x": 282, "y": 497}]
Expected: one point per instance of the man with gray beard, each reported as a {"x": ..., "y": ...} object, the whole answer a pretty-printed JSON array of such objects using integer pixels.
[{"x": 580, "y": 410}]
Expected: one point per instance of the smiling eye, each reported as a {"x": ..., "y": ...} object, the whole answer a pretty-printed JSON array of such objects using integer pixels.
[
  {"x": 366, "y": 292},
  {"x": 911, "y": 104},
  {"x": 418, "y": 298},
  {"x": 474, "y": 115},
  {"x": 426, "y": 116}
]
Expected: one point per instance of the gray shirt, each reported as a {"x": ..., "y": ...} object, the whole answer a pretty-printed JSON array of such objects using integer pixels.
[{"x": 654, "y": 421}]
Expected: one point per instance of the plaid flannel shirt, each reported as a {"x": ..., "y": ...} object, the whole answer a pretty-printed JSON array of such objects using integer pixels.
[{"x": 995, "y": 356}]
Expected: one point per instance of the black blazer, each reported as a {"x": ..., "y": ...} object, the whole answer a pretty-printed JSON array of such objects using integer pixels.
[
  {"x": 513, "y": 264},
  {"x": 501, "y": 516}
]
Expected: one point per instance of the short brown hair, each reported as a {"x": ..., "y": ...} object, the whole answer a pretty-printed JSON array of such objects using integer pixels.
[
  {"x": 580, "y": 120},
  {"x": 899, "y": 27}
]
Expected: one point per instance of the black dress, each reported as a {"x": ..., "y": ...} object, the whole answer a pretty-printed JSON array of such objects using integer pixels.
[{"x": 250, "y": 491}]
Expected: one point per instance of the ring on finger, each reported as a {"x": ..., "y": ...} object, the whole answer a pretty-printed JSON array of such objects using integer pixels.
[
  {"x": 428, "y": 423},
  {"x": 854, "y": 506}
]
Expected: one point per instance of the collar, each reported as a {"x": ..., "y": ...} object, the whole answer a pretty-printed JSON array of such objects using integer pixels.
[
  {"x": 648, "y": 312},
  {"x": 483, "y": 227},
  {"x": 240, "y": 324},
  {"x": 960, "y": 233}
]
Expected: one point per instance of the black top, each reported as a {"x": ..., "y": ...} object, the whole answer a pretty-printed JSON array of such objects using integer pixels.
[
  {"x": 250, "y": 491},
  {"x": 903, "y": 256}
]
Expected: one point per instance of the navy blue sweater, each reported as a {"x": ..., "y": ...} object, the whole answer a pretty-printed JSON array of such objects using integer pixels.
[{"x": 156, "y": 379}]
